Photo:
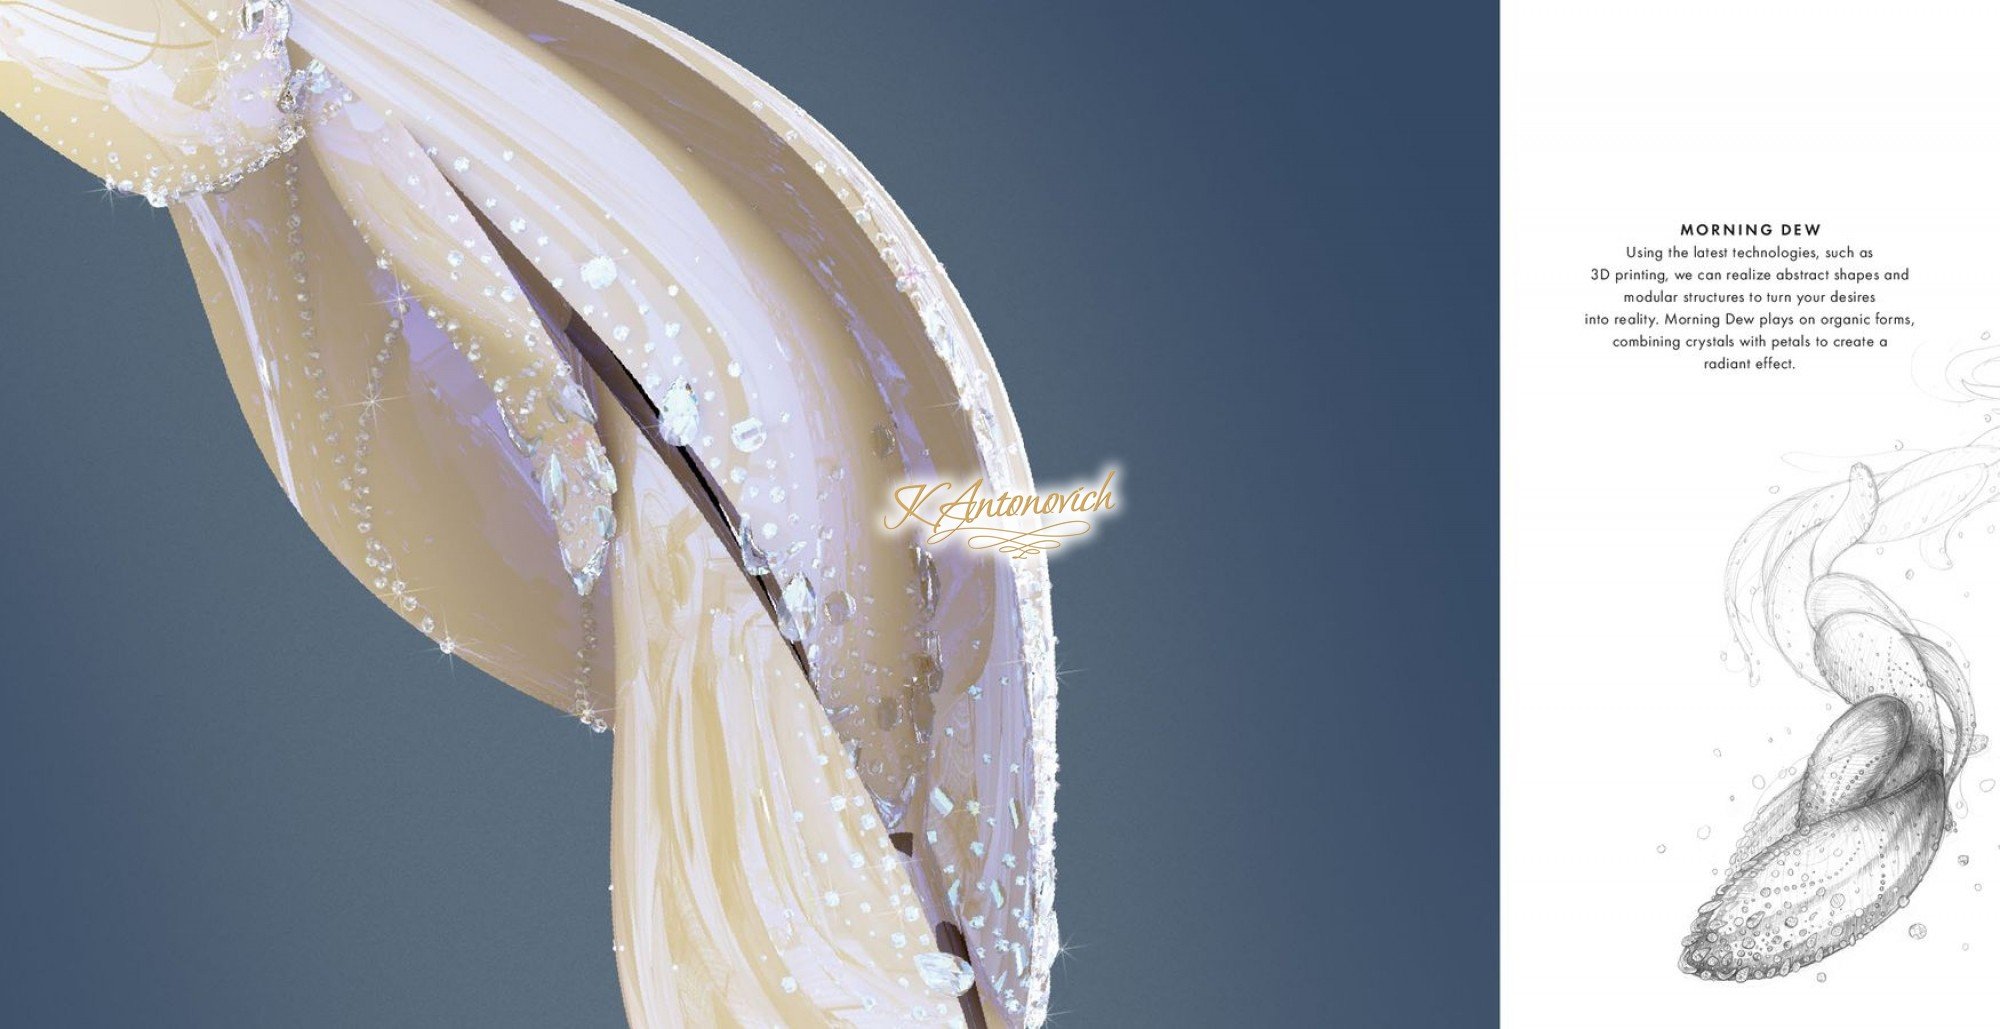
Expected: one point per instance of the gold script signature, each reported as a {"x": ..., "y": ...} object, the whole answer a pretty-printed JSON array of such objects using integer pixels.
[{"x": 1015, "y": 524}]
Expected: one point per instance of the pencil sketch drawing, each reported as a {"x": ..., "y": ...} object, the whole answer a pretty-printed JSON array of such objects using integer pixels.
[{"x": 1832, "y": 855}]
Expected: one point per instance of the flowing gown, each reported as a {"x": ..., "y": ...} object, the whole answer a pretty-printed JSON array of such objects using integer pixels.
[{"x": 598, "y": 361}]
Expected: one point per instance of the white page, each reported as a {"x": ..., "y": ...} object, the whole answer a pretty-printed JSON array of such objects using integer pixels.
[{"x": 1629, "y": 473}]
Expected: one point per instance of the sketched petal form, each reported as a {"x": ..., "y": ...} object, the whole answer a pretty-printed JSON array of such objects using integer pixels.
[{"x": 1820, "y": 889}]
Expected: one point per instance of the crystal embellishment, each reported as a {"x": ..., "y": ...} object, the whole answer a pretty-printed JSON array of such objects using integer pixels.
[
  {"x": 599, "y": 272},
  {"x": 797, "y": 609},
  {"x": 756, "y": 561},
  {"x": 948, "y": 974},
  {"x": 839, "y": 607},
  {"x": 748, "y": 434},
  {"x": 680, "y": 414}
]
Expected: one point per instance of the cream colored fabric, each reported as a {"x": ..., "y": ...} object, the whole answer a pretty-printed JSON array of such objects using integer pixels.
[
  {"x": 397, "y": 211},
  {"x": 753, "y": 882}
]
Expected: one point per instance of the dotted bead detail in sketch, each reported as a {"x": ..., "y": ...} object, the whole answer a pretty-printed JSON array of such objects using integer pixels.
[{"x": 1832, "y": 855}]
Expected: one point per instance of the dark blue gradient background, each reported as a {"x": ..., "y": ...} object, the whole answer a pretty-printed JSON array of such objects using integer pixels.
[{"x": 1247, "y": 251}]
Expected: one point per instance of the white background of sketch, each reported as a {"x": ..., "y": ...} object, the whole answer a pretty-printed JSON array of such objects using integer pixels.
[{"x": 1627, "y": 475}]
